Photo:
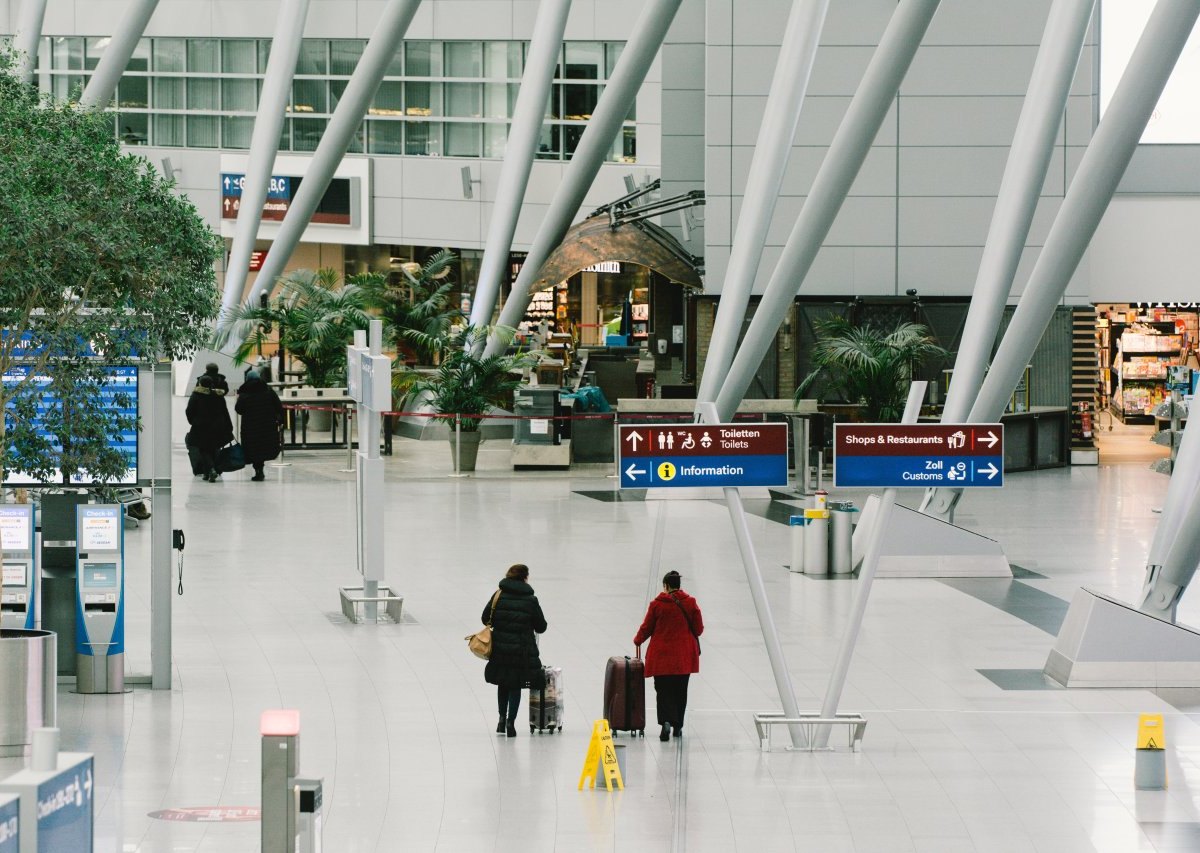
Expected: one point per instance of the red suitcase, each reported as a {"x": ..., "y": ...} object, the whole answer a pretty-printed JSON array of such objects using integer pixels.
[{"x": 625, "y": 695}]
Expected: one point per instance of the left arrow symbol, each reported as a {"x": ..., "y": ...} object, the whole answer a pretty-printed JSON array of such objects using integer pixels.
[
  {"x": 991, "y": 471},
  {"x": 632, "y": 471}
]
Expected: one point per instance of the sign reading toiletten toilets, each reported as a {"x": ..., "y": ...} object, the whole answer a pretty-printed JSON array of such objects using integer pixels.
[{"x": 685, "y": 455}]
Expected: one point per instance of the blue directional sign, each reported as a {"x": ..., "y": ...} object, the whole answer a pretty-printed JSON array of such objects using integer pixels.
[
  {"x": 687, "y": 455},
  {"x": 232, "y": 184},
  {"x": 918, "y": 455}
]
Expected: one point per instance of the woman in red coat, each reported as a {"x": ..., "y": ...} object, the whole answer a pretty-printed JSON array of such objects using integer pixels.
[{"x": 673, "y": 625}]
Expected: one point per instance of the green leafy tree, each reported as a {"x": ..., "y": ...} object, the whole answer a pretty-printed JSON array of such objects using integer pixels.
[
  {"x": 315, "y": 315},
  {"x": 465, "y": 382},
  {"x": 101, "y": 263},
  {"x": 417, "y": 311},
  {"x": 870, "y": 366}
]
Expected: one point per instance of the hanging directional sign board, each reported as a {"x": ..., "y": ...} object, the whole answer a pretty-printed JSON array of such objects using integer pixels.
[
  {"x": 918, "y": 455},
  {"x": 688, "y": 455}
]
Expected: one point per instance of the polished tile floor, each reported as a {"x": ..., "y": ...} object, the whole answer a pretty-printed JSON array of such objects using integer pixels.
[{"x": 967, "y": 748}]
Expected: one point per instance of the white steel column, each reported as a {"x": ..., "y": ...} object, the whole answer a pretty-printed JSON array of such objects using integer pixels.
[
  {"x": 389, "y": 32},
  {"x": 772, "y": 150},
  {"x": 264, "y": 145},
  {"x": 545, "y": 46},
  {"x": 1092, "y": 188},
  {"x": 845, "y": 156},
  {"x": 1020, "y": 189},
  {"x": 1166, "y": 579},
  {"x": 100, "y": 89},
  {"x": 866, "y": 577},
  {"x": 606, "y": 121},
  {"x": 159, "y": 430},
  {"x": 27, "y": 36}
]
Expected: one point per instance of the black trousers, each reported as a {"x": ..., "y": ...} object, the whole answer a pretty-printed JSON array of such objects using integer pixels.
[
  {"x": 508, "y": 700},
  {"x": 671, "y": 694}
]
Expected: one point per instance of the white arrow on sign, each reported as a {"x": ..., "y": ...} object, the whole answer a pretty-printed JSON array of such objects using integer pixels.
[
  {"x": 632, "y": 471},
  {"x": 990, "y": 439},
  {"x": 227, "y": 183},
  {"x": 87, "y": 783},
  {"x": 633, "y": 438},
  {"x": 991, "y": 470}
]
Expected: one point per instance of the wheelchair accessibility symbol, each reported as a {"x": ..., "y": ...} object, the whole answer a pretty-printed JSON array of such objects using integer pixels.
[{"x": 666, "y": 471}]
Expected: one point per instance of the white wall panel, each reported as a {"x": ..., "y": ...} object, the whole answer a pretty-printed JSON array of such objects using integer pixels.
[
  {"x": 1146, "y": 250},
  {"x": 470, "y": 19},
  {"x": 970, "y": 70},
  {"x": 960, "y": 120},
  {"x": 683, "y": 113},
  {"x": 877, "y": 177},
  {"x": 974, "y": 171},
  {"x": 987, "y": 22}
]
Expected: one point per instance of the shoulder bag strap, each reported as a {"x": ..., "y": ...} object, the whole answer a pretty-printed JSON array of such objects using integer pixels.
[
  {"x": 686, "y": 618},
  {"x": 495, "y": 598}
]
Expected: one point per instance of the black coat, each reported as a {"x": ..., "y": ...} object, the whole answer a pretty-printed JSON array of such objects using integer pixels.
[
  {"x": 209, "y": 418},
  {"x": 262, "y": 413},
  {"x": 515, "y": 661}
]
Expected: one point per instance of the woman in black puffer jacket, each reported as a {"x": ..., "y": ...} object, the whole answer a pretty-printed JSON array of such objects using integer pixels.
[{"x": 514, "y": 614}]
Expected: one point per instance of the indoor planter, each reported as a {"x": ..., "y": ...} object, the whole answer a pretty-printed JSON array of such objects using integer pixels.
[
  {"x": 464, "y": 385},
  {"x": 417, "y": 307},
  {"x": 868, "y": 366}
]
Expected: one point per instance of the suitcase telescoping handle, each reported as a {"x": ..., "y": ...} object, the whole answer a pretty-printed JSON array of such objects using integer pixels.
[{"x": 637, "y": 652}]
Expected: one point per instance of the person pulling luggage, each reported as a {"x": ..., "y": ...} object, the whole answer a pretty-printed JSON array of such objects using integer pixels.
[
  {"x": 515, "y": 615},
  {"x": 673, "y": 624}
]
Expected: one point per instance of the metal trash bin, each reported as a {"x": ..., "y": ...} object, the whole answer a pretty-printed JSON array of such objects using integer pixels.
[
  {"x": 29, "y": 700},
  {"x": 816, "y": 542},
  {"x": 841, "y": 537}
]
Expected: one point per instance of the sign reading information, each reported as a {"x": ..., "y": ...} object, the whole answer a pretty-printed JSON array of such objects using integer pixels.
[
  {"x": 684, "y": 455},
  {"x": 918, "y": 455}
]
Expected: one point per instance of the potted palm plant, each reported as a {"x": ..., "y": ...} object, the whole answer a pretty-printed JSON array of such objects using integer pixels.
[
  {"x": 417, "y": 311},
  {"x": 869, "y": 366},
  {"x": 315, "y": 315},
  {"x": 464, "y": 384}
]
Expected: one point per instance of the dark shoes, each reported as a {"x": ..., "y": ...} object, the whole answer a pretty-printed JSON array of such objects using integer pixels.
[
  {"x": 511, "y": 730},
  {"x": 500, "y": 726},
  {"x": 677, "y": 731},
  {"x": 665, "y": 734},
  {"x": 258, "y": 478}
]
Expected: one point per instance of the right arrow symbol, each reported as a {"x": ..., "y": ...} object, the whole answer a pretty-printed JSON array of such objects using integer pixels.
[
  {"x": 989, "y": 439},
  {"x": 991, "y": 470}
]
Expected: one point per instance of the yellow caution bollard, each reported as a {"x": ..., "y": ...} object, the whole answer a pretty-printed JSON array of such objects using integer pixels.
[{"x": 1150, "y": 765}]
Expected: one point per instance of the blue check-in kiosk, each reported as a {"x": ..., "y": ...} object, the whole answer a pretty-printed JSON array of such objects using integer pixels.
[
  {"x": 18, "y": 570},
  {"x": 10, "y": 824},
  {"x": 100, "y": 598}
]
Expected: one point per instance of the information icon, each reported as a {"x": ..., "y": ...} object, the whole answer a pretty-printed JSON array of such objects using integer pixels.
[{"x": 666, "y": 471}]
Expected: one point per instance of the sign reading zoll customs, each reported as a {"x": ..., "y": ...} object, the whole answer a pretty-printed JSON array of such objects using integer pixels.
[
  {"x": 684, "y": 455},
  {"x": 918, "y": 455}
]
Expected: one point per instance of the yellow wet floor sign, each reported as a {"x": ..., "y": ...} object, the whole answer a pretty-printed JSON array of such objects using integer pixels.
[
  {"x": 1150, "y": 732},
  {"x": 601, "y": 759}
]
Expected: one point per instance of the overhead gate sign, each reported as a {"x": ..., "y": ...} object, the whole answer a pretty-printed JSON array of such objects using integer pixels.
[
  {"x": 918, "y": 455},
  {"x": 685, "y": 455}
]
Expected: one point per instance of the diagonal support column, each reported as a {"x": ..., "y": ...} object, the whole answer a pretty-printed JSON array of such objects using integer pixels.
[
  {"x": 758, "y": 594},
  {"x": 389, "y": 32},
  {"x": 100, "y": 89},
  {"x": 619, "y": 93},
  {"x": 264, "y": 144},
  {"x": 1020, "y": 189},
  {"x": 845, "y": 157},
  {"x": 1167, "y": 578},
  {"x": 545, "y": 46},
  {"x": 1091, "y": 190},
  {"x": 27, "y": 36},
  {"x": 772, "y": 150}
]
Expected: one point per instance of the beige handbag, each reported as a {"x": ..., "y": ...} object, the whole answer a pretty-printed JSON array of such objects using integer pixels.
[{"x": 480, "y": 643}]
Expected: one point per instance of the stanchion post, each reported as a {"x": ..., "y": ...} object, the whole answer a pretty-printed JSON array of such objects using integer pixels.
[{"x": 457, "y": 443}]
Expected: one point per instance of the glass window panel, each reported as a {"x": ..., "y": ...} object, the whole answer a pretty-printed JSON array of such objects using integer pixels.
[
  {"x": 423, "y": 99},
  {"x": 464, "y": 100},
  {"x": 135, "y": 128},
  {"x": 462, "y": 140},
  {"x": 500, "y": 99},
  {"x": 495, "y": 137},
  {"x": 422, "y": 137},
  {"x": 308, "y": 96},
  {"x": 140, "y": 60},
  {"x": 356, "y": 141},
  {"x": 423, "y": 59},
  {"x": 68, "y": 54},
  {"x": 93, "y": 50},
  {"x": 464, "y": 59},
  {"x": 202, "y": 131},
  {"x": 585, "y": 60},
  {"x": 613, "y": 52},
  {"x": 389, "y": 101},
  {"x": 312, "y": 58},
  {"x": 239, "y": 56},
  {"x": 201, "y": 95},
  {"x": 548, "y": 143},
  {"x": 571, "y": 134},
  {"x": 502, "y": 60},
  {"x": 168, "y": 93},
  {"x": 306, "y": 133},
  {"x": 168, "y": 130},
  {"x": 134, "y": 92},
  {"x": 285, "y": 135},
  {"x": 554, "y": 105},
  {"x": 343, "y": 56},
  {"x": 579, "y": 101},
  {"x": 236, "y": 131},
  {"x": 628, "y": 142},
  {"x": 337, "y": 88},
  {"x": 168, "y": 54},
  {"x": 202, "y": 56},
  {"x": 239, "y": 96},
  {"x": 386, "y": 137},
  {"x": 68, "y": 87},
  {"x": 395, "y": 66},
  {"x": 264, "y": 54}
]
